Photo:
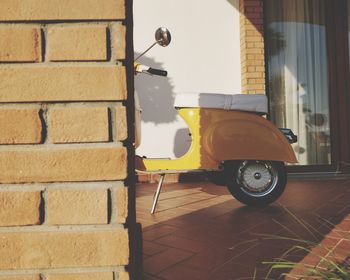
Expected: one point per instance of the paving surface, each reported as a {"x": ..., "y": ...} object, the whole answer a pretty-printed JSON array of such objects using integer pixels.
[{"x": 200, "y": 232}]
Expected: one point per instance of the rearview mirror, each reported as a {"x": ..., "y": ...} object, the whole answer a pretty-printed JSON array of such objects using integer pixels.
[{"x": 163, "y": 36}]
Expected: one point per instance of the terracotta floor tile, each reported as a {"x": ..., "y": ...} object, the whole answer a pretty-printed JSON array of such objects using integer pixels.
[
  {"x": 339, "y": 235},
  {"x": 343, "y": 226},
  {"x": 159, "y": 262},
  {"x": 182, "y": 272},
  {"x": 158, "y": 232},
  {"x": 210, "y": 237},
  {"x": 264, "y": 230},
  {"x": 235, "y": 271},
  {"x": 260, "y": 255},
  {"x": 213, "y": 212},
  {"x": 215, "y": 257},
  {"x": 152, "y": 227},
  {"x": 151, "y": 248},
  {"x": 185, "y": 244},
  {"x": 344, "y": 245},
  {"x": 147, "y": 276},
  {"x": 342, "y": 251}
]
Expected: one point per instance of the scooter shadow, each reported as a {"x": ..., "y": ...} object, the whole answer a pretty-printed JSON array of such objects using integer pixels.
[{"x": 155, "y": 94}]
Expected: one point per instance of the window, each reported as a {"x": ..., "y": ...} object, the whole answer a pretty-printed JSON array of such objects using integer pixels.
[{"x": 298, "y": 81}]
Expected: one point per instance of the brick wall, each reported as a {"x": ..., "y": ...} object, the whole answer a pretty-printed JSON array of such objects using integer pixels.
[
  {"x": 252, "y": 46},
  {"x": 64, "y": 141}
]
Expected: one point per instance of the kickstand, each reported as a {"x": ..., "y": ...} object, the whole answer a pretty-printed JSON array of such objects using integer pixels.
[{"x": 157, "y": 193}]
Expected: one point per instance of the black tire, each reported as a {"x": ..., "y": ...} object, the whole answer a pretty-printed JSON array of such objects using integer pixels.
[{"x": 256, "y": 183}]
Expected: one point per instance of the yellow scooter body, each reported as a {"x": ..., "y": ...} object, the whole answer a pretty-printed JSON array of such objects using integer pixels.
[{"x": 221, "y": 135}]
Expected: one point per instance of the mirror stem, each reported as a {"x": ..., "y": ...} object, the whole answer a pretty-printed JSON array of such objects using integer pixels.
[{"x": 155, "y": 43}]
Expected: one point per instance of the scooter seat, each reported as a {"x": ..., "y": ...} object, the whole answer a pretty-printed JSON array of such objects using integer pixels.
[{"x": 243, "y": 102}]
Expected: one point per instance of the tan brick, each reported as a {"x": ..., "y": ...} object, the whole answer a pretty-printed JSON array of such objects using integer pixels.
[
  {"x": 251, "y": 68},
  {"x": 259, "y": 45},
  {"x": 250, "y": 26},
  {"x": 253, "y": 75},
  {"x": 254, "y": 51},
  {"x": 121, "y": 204},
  {"x": 260, "y": 69},
  {"x": 119, "y": 40},
  {"x": 77, "y": 43},
  {"x": 259, "y": 57},
  {"x": 121, "y": 124},
  {"x": 123, "y": 275},
  {"x": 71, "y": 206},
  {"x": 20, "y": 126},
  {"x": 260, "y": 81},
  {"x": 20, "y": 44},
  {"x": 253, "y": 33},
  {"x": 34, "y": 10},
  {"x": 79, "y": 124},
  {"x": 59, "y": 164},
  {"x": 82, "y": 276},
  {"x": 57, "y": 249},
  {"x": 20, "y": 277},
  {"x": 255, "y": 62},
  {"x": 19, "y": 208},
  {"x": 260, "y": 88},
  {"x": 62, "y": 83}
]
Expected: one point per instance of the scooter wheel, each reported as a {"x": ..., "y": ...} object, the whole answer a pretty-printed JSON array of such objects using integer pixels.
[{"x": 256, "y": 183}]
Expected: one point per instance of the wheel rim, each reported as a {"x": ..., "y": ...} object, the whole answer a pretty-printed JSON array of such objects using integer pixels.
[{"x": 257, "y": 178}]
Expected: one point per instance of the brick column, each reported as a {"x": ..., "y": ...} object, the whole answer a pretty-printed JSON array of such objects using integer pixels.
[
  {"x": 252, "y": 46},
  {"x": 64, "y": 141}
]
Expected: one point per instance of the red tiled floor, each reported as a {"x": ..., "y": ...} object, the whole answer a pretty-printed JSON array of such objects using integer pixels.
[
  {"x": 182, "y": 243},
  {"x": 181, "y": 272},
  {"x": 200, "y": 232},
  {"x": 158, "y": 232},
  {"x": 151, "y": 248},
  {"x": 165, "y": 259}
]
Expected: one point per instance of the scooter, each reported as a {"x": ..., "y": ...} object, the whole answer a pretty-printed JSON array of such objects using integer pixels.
[{"x": 231, "y": 139}]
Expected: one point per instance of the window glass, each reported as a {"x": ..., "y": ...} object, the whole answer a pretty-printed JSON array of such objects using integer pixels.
[{"x": 298, "y": 75}]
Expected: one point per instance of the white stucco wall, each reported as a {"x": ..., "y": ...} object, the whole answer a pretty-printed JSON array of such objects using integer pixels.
[{"x": 204, "y": 56}]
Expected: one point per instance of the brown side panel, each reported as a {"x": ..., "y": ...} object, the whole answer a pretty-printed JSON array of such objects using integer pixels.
[{"x": 235, "y": 135}]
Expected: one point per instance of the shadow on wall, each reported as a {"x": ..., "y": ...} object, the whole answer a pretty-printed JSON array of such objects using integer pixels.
[
  {"x": 234, "y": 3},
  {"x": 182, "y": 142},
  {"x": 156, "y": 95}
]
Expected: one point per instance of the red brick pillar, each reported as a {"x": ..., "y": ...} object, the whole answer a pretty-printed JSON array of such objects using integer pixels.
[{"x": 252, "y": 46}]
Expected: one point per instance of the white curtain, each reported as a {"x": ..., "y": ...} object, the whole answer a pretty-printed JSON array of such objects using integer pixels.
[{"x": 298, "y": 75}]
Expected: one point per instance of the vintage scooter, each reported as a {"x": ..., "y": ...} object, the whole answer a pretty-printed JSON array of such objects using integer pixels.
[{"x": 231, "y": 139}]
